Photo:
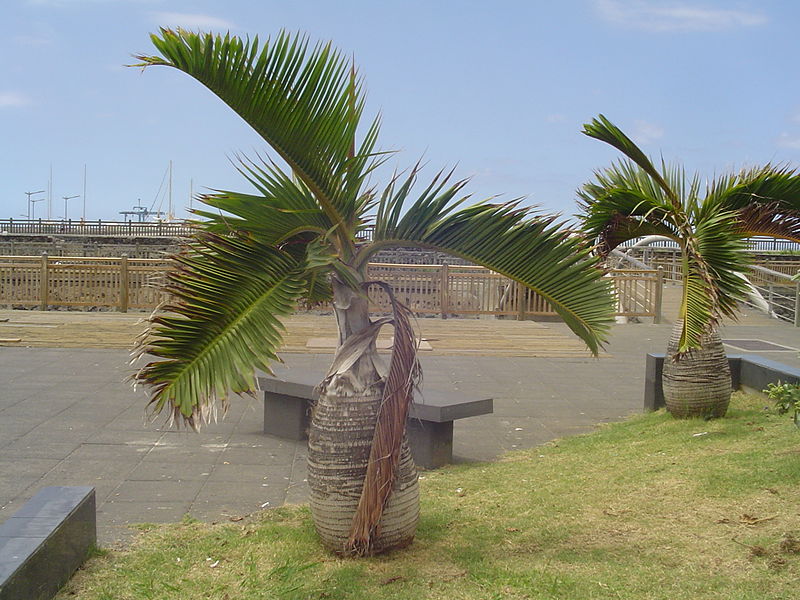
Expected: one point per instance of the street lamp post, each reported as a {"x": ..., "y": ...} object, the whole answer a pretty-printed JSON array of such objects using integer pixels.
[
  {"x": 66, "y": 198},
  {"x": 29, "y": 194},
  {"x": 32, "y": 212}
]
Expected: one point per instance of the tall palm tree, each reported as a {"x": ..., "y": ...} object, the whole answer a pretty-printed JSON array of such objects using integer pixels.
[
  {"x": 634, "y": 198},
  {"x": 301, "y": 237}
]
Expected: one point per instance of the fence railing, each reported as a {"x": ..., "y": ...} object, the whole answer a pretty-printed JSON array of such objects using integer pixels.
[
  {"x": 445, "y": 290},
  {"x": 756, "y": 244},
  {"x": 780, "y": 291},
  {"x": 96, "y": 228},
  {"x": 81, "y": 282},
  {"x": 770, "y": 278}
]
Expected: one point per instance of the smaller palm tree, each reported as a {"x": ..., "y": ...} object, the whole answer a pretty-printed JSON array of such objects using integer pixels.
[{"x": 634, "y": 198}]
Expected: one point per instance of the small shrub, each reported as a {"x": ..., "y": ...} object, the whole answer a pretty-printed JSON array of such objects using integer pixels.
[{"x": 786, "y": 397}]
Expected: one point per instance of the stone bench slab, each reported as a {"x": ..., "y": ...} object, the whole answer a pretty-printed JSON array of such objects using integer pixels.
[
  {"x": 45, "y": 541},
  {"x": 430, "y": 421}
]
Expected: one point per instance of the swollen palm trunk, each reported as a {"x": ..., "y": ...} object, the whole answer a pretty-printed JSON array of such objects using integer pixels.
[
  {"x": 340, "y": 437},
  {"x": 698, "y": 383}
]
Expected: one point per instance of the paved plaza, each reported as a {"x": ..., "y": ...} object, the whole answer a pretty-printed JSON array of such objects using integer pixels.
[{"x": 67, "y": 417}]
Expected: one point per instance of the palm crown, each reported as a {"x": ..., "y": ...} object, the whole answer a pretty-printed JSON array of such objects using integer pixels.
[
  {"x": 257, "y": 254},
  {"x": 634, "y": 198}
]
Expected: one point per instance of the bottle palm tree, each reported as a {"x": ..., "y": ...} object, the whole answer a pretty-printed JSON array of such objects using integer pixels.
[
  {"x": 302, "y": 237},
  {"x": 633, "y": 198}
]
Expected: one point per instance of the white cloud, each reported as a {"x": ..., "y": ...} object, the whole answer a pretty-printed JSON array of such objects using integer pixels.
[
  {"x": 645, "y": 133},
  {"x": 12, "y": 99},
  {"x": 192, "y": 21},
  {"x": 786, "y": 140},
  {"x": 649, "y": 15}
]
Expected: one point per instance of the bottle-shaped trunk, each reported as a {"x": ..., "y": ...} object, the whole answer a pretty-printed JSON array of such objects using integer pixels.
[
  {"x": 698, "y": 383},
  {"x": 340, "y": 437}
]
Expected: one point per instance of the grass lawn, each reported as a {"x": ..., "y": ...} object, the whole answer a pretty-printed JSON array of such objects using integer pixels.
[{"x": 648, "y": 508}]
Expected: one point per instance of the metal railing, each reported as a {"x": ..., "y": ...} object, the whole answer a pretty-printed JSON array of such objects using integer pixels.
[
  {"x": 780, "y": 291},
  {"x": 96, "y": 228},
  {"x": 775, "y": 283},
  {"x": 755, "y": 244}
]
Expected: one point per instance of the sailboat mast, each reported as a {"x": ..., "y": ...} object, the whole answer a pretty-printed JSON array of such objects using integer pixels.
[
  {"x": 169, "y": 210},
  {"x": 83, "y": 217}
]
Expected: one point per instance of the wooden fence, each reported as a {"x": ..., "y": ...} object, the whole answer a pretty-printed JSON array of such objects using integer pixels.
[
  {"x": 445, "y": 290},
  {"x": 81, "y": 282}
]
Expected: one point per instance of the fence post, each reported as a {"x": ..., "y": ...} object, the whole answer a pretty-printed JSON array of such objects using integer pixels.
[
  {"x": 659, "y": 300},
  {"x": 520, "y": 301},
  {"x": 44, "y": 283},
  {"x": 797, "y": 306},
  {"x": 444, "y": 289},
  {"x": 123, "y": 283}
]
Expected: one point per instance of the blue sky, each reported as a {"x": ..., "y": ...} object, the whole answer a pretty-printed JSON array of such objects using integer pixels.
[{"x": 500, "y": 90}]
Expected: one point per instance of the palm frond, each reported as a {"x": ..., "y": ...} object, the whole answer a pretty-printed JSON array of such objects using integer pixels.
[
  {"x": 302, "y": 101},
  {"x": 768, "y": 184},
  {"x": 769, "y": 219},
  {"x": 230, "y": 295},
  {"x": 604, "y": 130},
  {"x": 285, "y": 210},
  {"x": 509, "y": 239},
  {"x": 621, "y": 205}
]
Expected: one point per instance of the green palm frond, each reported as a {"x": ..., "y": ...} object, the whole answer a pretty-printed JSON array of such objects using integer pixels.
[
  {"x": 714, "y": 258},
  {"x": 286, "y": 208},
  {"x": 304, "y": 102},
  {"x": 509, "y": 240},
  {"x": 604, "y": 130},
  {"x": 230, "y": 295},
  {"x": 767, "y": 184},
  {"x": 622, "y": 204}
]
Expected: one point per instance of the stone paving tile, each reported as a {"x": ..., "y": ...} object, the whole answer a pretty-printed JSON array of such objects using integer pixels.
[
  {"x": 56, "y": 450},
  {"x": 142, "y": 437},
  {"x": 266, "y": 476},
  {"x": 220, "y": 501},
  {"x": 155, "y": 491},
  {"x": 184, "y": 455},
  {"x": 150, "y": 470},
  {"x": 267, "y": 454},
  {"x": 122, "y": 513}
]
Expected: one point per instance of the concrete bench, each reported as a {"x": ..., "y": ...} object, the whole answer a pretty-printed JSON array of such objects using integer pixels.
[
  {"x": 750, "y": 373},
  {"x": 45, "y": 541},
  {"x": 287, "y": 404}
]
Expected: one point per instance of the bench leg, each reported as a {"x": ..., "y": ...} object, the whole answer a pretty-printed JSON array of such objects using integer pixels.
[
  {"x": 285, "y": 416},
  {"x": 431, "y": 443}
]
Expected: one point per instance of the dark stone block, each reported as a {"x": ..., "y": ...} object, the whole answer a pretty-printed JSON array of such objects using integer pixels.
[
  {"x": 431, "y": 443},
  {"x": 440, "y": 407},
  {"x": 758, "y": 372},
  {"x": 44, "y": 542},
  {"x": 653, "y": 390},
  {"x": 286, "y": 416}
]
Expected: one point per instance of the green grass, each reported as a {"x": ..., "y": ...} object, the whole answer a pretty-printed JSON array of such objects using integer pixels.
[{"x": 648, "y": 508}]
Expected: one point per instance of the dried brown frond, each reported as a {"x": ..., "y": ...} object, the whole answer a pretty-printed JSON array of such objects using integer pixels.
[
  {"x": 390, "y": 429},
  {"x": 770, "y": 219}
]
